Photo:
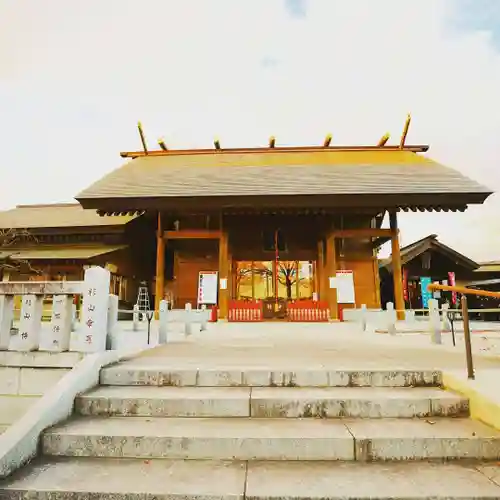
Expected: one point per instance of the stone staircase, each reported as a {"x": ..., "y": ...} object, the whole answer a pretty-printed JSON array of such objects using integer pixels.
[{"x": 157, "y": 433}]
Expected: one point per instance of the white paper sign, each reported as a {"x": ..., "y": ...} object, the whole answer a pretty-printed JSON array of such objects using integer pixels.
[
  {"x": 345, "y": 287},
  {"x": 208, "y": 283},
  {"x": 332, "y": 282}
]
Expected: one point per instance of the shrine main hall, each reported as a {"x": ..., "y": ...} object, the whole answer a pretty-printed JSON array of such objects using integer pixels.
[{"x": 267, "y": 229}]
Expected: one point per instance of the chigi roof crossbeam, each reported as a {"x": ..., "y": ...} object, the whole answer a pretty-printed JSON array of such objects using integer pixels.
[{"x": 272, "y": 147}]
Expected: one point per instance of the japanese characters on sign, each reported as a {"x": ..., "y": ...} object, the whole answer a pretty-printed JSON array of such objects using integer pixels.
[
  {"x": 30, "y": 322},
  {"x": 94, "y": 315},
  {"x": 207, "y": 287},
  {"x": 60, "y": 325}
]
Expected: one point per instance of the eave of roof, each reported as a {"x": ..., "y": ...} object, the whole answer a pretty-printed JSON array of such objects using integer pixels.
[
  {"x": 58, "y": 252},
  {"x": 57, "y": 215}
]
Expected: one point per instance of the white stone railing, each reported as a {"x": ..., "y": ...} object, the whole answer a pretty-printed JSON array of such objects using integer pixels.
[
  {"x": 97, "y": 315},
  {"x": 435, "y": 322},
  {"x": 187, "y": 317}
]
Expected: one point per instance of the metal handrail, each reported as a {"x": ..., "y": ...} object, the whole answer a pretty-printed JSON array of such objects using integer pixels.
[{"x": 465, "y": 315}]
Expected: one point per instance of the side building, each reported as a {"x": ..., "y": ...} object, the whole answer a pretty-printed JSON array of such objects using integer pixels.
[{"x": 58, "y": 241}]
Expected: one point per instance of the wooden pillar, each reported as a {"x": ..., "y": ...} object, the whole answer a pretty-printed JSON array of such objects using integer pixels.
[
  {"x": 331, "y": 270},
  {"x": 223, "y": 275},
  {"x": 160, "y": 267},
  {"x": 397, "y": 274},
  {"x": 320, "y": 271}
]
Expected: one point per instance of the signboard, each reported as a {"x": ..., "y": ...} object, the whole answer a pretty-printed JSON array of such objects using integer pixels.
[
  {"x": 208, "y": 284},
  {"x": 426, "y": 294},
  {"x": 452, "y": 282},
  {"x": 344, "y": 281}
]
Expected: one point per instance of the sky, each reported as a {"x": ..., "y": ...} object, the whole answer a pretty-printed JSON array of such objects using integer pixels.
[{"x": 75, "y": 77}]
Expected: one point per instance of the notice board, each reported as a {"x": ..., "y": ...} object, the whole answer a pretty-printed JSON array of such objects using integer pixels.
[
  {"x": 344, "y": 281},
  {"x": 208, "y": 285}
]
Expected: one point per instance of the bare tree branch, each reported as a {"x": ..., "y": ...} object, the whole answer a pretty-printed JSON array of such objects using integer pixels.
[{"x": 9, "y": 239}]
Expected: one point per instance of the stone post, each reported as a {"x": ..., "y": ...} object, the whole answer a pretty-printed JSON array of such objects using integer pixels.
[
  {"x": 163, "y": 326},
  {"x": 445, "y": 322},
  {"x": 188, "y": 317},
  {"x": 391, "y": 318},
  {"x": 203, "y": 318},
  {"x": 73, "y": 317},
  {"x": 434, "y": 322},
  {"x": 94, "y": 320},
  {"x": 58, "y": 337},
  {"x": 136, "y": 318},
  {"x": 6, "y": 317},
  {"x": 363, "y": 317},
  {"x": 30, "y": 322},
  {"x": 410, "y": 316},
  {"x": 112, "y": 312}
]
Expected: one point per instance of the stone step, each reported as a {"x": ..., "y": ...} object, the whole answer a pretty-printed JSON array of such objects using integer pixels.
[
  {"x": 142, "y": 372},
  {"x": 113, "y": 479},
  {"x": 273, "y": 439},
  {"x": 274, "y": 402}
]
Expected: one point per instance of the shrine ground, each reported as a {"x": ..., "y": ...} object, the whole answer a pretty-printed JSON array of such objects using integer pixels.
[{"x": 309, "y": 345}]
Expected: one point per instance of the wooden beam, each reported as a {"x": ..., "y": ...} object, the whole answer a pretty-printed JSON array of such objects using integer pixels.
[
  {"x": 417, "y": 148},
  {"x": 193, "y": 234},
  {"x": 397, "y": 273},
  {"x": 463, "y": 290},
  {"x": 378, "y": 242},
  {"x": 363, "y": 233},
  {"x": 223, "y": 274},
  {"x": 383, "y": 140},
  {"x": 143, "y": 138},
  {"x": 405, "y": 132},
  {"x": 160, "y": 268},
  {"x": 331, "y": 271}
]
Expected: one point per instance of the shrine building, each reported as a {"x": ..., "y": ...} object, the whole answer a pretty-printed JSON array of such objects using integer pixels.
[{"x": 273, "y": 229}]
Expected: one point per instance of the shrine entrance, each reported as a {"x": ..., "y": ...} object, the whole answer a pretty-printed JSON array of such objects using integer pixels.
[{"x": 275, "y": 286}]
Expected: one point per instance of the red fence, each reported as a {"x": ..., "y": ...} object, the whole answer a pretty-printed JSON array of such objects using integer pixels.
[
  {"x": 308, "y": 310},
  {"x": 245, "y": 311}
]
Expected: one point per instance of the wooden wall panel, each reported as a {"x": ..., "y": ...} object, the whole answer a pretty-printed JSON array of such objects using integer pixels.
[
  {"x": 365, "y": 281},
  {"x": 187, "y": 272}
]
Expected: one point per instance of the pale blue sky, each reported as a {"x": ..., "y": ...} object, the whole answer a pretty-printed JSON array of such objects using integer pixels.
[{"x": 76, "y": 76}]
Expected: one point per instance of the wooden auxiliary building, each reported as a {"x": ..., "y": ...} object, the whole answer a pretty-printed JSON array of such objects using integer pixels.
[{"x": 280, "y": 225}]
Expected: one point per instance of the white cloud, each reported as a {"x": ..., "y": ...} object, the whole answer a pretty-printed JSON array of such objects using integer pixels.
[{"x": 76, "y": 76}]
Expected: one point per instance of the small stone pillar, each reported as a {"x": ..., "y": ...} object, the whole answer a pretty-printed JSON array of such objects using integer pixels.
[
  {"x": 434, "y": 322},
  {"x": 58, "y": 337},
  {"x": 363, "y": 317},
  {"x": 391, "y": 318},
  {"x": 203, "y": 318},
  {"x": 73, "y": 316},
  {"x": 136, "y": 318},
  {"x": 163, "y": 322},
  {"x": 6, "y": 317},
  {"x": 445, "y": 322},
  {"x": 188, "y": 318},
  {"x": 112, "y": 318},
  {"x": 94, "y": 320},
  {"x": 30, "y": 323}
]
